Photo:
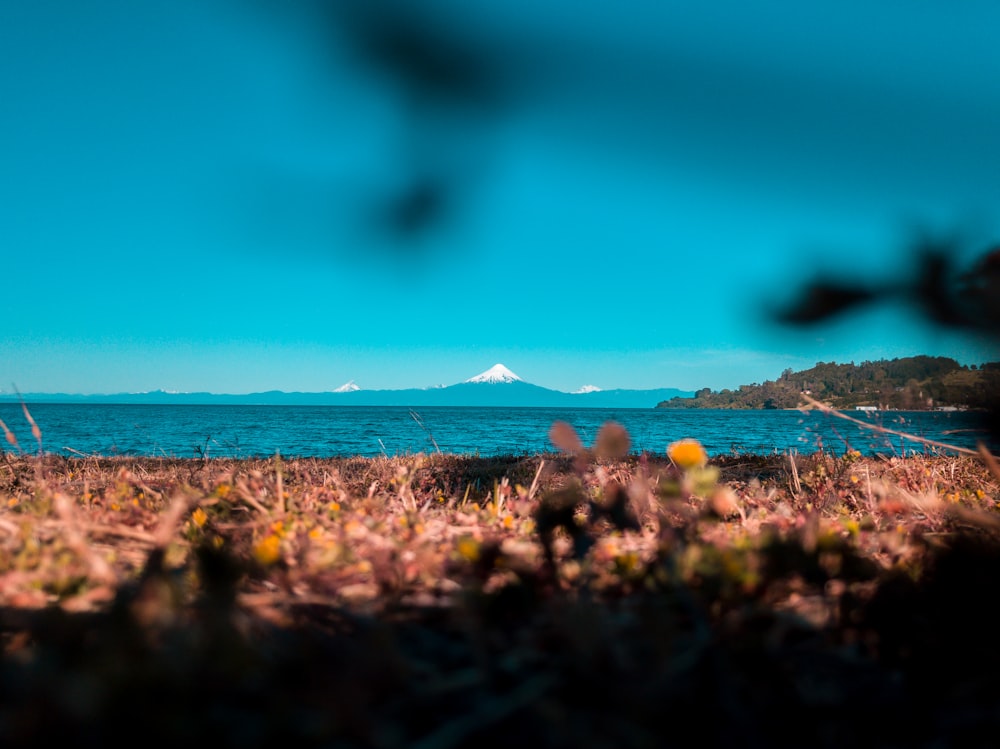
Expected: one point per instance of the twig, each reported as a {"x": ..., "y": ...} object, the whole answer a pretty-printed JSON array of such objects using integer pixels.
[
  {"x": 100, "y": 570},
  {"x": 77, "y": 452},
  {"x": 534, "y": 482},
  {"x": 170, "y": 520},
  {"x": 244, "y": 492},
  {"x": 279, "y": 485},
  {"x": 990, "y": 461},
  {"x": 795, "y": 475},
  {"x": 11, "y": 439},
  {"x": 9, "y": 527},
  {"x": 36, "y": 432},
  {"x": 121, "y": 531},
  {"x": 878, "y": 428},
  {"x": 416, "y": 418}
]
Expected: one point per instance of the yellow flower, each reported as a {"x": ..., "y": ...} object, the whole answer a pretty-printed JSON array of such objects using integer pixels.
[
  {"x": 627, "y": 562},
  {"x": 199, "y": 517},
  {"x": 268, "y": 550},
  {"x": 468, "y": 548},
  {"x": 687, "y": 454}
]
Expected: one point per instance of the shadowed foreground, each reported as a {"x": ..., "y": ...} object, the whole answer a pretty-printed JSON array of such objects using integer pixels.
[{"x": 577, "y": 600}]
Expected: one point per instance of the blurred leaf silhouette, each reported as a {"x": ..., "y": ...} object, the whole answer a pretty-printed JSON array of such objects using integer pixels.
[
  {"x": 823, "y": 299},
  {"x": 629, "y": 82},
  {"x": 450, "y": 89},
  {"x": 970, "y": 299},
  {"x": 946, "y": 297}
]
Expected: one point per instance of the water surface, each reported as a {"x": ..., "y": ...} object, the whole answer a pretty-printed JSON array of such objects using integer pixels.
[{"x": 329, "y": 431}]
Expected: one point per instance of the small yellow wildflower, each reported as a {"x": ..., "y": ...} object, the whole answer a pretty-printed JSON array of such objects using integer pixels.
[
  {"x": 222, "y": 491},
  {"x": 627, "y": 562},
  {"x": 468, "y": 548},
  {"x": 268, "y": 550},
  {"x": 199, "y": 517},
  {"x": 687, "y": 454}
]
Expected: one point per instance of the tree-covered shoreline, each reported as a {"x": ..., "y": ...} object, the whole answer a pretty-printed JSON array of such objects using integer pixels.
[{"x": 915, "y": 383}]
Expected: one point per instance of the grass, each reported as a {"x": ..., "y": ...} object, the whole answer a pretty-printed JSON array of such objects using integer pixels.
[{"x": 583, "y": 598}]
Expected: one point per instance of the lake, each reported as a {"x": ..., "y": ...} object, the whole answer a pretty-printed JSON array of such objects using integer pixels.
[{"x": 231, "y": 431}]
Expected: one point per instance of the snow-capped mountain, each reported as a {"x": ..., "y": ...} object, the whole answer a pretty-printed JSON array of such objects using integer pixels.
[
  {"x": 496, "y": 374},
  {"x": 477, "y": 391}
]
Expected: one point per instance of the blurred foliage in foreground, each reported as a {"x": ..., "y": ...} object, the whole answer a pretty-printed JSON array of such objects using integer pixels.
[{"x": 584, "y": 598}]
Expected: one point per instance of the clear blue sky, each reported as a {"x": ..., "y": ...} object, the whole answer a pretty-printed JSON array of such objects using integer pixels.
[{"x": 214, "y": 194}]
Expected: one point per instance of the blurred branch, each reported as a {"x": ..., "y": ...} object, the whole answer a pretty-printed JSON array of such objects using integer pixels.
[{"x": 969, "y": 300}]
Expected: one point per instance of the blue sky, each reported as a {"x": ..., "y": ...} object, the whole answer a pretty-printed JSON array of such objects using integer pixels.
[{"x": 243, "y": 196}]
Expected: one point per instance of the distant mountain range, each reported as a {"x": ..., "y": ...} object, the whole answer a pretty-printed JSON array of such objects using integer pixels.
[{"x": 497, "y": 386}]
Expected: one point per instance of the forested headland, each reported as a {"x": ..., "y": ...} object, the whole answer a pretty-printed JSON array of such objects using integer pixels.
[{"x": 912, "y": 383}]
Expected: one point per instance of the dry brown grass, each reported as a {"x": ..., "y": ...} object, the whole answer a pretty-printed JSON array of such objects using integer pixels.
[{"x": 569, "y": 600}]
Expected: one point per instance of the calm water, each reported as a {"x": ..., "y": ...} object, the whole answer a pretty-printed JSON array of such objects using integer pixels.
[{"x": 327, "y": 431}]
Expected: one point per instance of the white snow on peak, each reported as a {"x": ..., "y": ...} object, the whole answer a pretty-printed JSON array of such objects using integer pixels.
[
  {"x": 496, "y": 373},
  {"x": 347, "y": 387},
  {"x": 588, "y": 389}
]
